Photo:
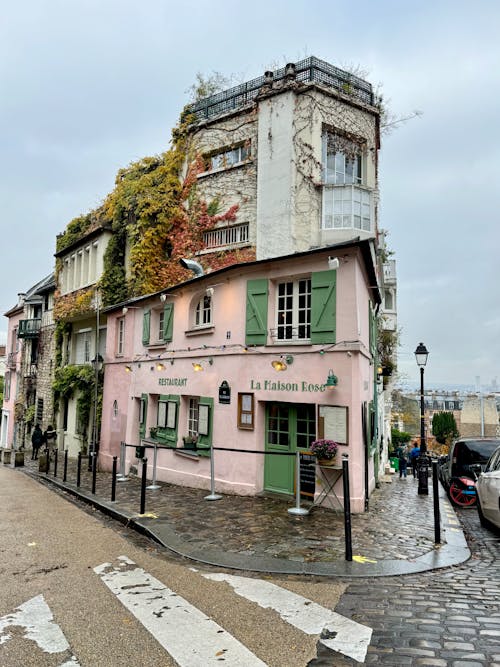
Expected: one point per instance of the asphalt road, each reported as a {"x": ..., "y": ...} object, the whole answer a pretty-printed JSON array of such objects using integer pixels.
[
  {"x": 49, "y": 550},
  {"x": 58, "y": 550}
]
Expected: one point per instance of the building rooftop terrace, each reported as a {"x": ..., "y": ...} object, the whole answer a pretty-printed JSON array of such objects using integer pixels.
[{"x": 309, "y": 70}]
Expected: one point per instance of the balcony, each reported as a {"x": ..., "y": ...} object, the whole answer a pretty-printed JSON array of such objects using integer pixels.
[
  {"x": 29, "y": 328},
  {"x": 224, "y": 236},
  {"x": 309, "y": 70},
  {"x": 347, "y": 207}
]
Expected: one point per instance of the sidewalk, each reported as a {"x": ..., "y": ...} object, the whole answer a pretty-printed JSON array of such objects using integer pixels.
[{"x": 396, "y": 535}]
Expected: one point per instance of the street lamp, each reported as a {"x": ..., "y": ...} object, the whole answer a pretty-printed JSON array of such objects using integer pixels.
[
  {"x": 97, "y": 363},
  {"x": 421, "y": 355}
]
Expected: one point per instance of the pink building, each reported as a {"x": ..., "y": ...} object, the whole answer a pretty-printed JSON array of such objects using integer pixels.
[
  {"x": 8, "y": 436},
  {"x": 239, "y": 359}
]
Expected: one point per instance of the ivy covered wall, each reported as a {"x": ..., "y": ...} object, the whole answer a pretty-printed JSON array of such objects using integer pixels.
[{"x": 157, "y": 217}]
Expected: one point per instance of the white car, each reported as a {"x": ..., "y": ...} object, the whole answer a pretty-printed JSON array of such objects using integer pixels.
[{"x": 488, "y": 492}]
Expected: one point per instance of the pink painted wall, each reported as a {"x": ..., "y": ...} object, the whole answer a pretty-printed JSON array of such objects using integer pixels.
[
  {"x": 245, "y": 371},
  {"x": 13, "y": 346}
]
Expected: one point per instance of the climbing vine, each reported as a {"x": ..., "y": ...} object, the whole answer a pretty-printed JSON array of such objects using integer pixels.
[{"x": 70, "y": 380}]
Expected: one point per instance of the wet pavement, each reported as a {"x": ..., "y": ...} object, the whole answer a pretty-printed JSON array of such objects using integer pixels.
[{"x": 396, "y": 535}]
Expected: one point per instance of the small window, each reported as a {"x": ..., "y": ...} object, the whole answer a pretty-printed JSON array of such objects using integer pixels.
[
  {"x": 203, "y": 312},
  {"x": 229, "y": 157},
  {"x": 246, "y": 411},
  {"x": 161, "y": 324},
  {"x": 115, "y": 409},
  {"x": 193, "y": 415},
  {"x": 39, "y": 410},
  {"x": 121, "y": 336}
]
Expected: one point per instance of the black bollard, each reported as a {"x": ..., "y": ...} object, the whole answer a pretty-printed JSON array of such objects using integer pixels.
[
  {"x": 143, "y": 485},
  {"x": 347, "y": 510},
  {"x": 55, "y": 462},
  {"x": 78, "y": 469},
  {"x": 94, "y": 471},
  {"x": 113, "y": 481},
  {"x": 65, "y": 469},
  {"x": 435, "y": 494}
]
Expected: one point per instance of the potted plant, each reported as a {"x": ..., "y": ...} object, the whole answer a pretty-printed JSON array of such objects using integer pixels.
[
  {"x": 190, "y": 441},
  {"x": 153, "y": 432},
  {"x": 325, "y": 451}
]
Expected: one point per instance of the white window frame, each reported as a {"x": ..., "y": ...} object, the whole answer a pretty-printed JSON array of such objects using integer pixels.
[
  {"x": 293, "y": 321},
  {"x": 193, "y": 420},
  {"x": 229, "y": 157},
  {"x": 202, "y": 315},
  {"x": 120, "y": 343},
  {"x": 161, "y": 325}
]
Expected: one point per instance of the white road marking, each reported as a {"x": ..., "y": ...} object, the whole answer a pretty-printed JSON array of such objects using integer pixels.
[
  {"x": 37, "y": 619},
  {"x": 189, "y": 636},
  {"x": 339, "y": 633}
]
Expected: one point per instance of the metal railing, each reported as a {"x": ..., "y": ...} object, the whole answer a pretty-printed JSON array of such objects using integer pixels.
[
  {"x": 309, "y": 70},
  {"x": 223, "y": 236},
  {"x": 29, "y": 328}
]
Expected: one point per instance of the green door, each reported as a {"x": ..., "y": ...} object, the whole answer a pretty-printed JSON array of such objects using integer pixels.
[{"x": 289, "y": 427}]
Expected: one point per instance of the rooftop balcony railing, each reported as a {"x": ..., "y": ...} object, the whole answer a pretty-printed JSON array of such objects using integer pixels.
[{"x": 309, "y": 70}]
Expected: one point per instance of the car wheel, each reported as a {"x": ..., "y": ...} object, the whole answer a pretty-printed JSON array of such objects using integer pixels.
[
  {"x": 459, "y": 498},
  {"x": 484, "y": 521}
]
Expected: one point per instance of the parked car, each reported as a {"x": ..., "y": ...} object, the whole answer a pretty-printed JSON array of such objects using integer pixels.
[
  {"x": 467, "y": 458},
  {"x": 488, "y": 492}
]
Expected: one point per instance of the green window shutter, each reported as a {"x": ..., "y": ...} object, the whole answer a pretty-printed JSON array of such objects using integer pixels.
[
  {"x": 372, "y": 324},
  {"x": 166, "y": 434},
  {"x": 323, "y": 306},
  {"x": 205, "y": 441},
  {"x": 168, "y": 322},
  {"x": 144, "y": 416},
  {"x": 146, "y": 325},
  {"x": 256, "y": 316}
]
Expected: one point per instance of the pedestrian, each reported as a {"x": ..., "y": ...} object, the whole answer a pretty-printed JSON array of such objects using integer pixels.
[
  {"x": 48, "y": 435},
  {"x": 403, "y": 462},
  {"x": 36, "y": 441},
  {"x": 414, "y": 454}
]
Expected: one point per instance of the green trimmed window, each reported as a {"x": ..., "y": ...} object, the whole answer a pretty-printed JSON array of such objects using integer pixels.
[{"x": 167, "y": 419}]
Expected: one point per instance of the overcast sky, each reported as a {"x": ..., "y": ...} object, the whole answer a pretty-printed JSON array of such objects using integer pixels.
[{"x": 87, "y": 86}]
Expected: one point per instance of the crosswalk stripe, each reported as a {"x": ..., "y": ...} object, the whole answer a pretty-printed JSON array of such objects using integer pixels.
[
  {"x": 339, "y": 633},
  {"x": 39, "y": 626},
  {"x": 189, "y": 636}
]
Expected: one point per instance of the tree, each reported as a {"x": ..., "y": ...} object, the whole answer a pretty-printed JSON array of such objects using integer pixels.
[
  {"x": 399, "y": 438},
  {"x": 444, "y": 427}
]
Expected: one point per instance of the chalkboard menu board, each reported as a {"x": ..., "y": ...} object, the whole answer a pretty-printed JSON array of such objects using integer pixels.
[{"x": 307, "y": 475}]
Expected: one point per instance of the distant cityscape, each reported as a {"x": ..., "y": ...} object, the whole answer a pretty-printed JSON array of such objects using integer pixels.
[{"x": 491, "y": 388}]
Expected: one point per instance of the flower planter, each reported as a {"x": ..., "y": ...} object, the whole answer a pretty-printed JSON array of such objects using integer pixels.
[{"x": 327, "y": 462}]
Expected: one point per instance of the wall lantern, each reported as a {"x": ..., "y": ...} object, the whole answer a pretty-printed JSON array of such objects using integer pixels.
[
  {"x": 128, "y": 369},
  {"x": 282, "y": 363},
  {"x": 198, "y": 366},
  {"x": 332, "y": 380},
  {"x": 160, "y": 366}
]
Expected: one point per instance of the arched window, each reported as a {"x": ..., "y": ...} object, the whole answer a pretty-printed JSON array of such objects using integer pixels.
[
  {"x": 203, "y": 312},
  {"x": 115, "y": 409}
]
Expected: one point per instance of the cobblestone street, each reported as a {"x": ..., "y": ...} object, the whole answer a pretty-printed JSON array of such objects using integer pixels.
[{"x": 443, "y": 618}]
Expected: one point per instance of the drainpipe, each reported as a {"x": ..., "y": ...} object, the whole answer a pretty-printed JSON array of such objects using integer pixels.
[{"x": 193, "y": 266}]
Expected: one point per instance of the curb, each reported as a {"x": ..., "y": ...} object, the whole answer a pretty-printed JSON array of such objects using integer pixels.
[{"x": 453, "y": 550}]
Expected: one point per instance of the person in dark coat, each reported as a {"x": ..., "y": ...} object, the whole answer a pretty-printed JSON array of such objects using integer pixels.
[
  {"x": 414, "y": 454},
  {"x": 403, "y": 462},
  {"x": 36, "y": 441}
]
